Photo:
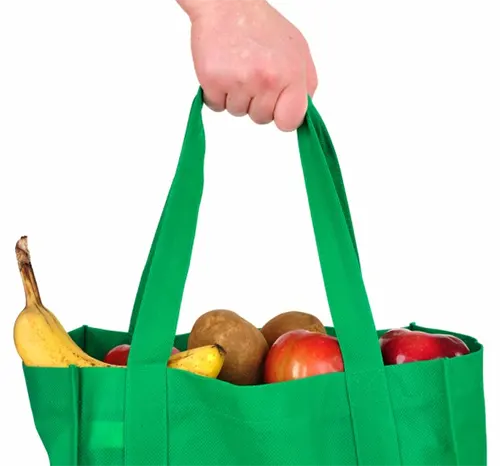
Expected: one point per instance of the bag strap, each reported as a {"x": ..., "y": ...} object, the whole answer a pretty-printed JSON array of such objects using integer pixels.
[
  {"x": 335, "y": 172},
  {"x": 158, "y": 302}
]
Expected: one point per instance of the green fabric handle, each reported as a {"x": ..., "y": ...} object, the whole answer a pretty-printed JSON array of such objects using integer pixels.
[
  {"x": 156, "y": 310},
  {"x": 335, "y": 172}
]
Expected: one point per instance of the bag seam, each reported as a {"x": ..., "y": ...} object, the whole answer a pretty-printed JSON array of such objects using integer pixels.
[{"x": 449, "y": 405}]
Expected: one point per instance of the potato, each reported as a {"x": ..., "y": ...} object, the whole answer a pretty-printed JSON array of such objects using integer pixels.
[
  {"x": 291, "y": 320},
  {"x": 245, "y": 345}
]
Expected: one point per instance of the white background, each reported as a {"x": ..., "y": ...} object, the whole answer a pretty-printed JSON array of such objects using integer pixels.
[{"x": 93, "y": 103}]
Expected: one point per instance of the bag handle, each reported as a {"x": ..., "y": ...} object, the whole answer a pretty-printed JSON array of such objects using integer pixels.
[
  {"x": 158, "y": 301},
  {"x": 335, "y": 172}
]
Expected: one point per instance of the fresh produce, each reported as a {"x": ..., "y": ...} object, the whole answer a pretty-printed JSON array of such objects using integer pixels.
[
  {"x": 42, "y": 341},
  {"x": 402, "y": 345},
  {"x": 39, "y": 337},
  {"x": 205, "y": 360},
  {"x": 291, "y": 320},
  {"x": 301, "y": 353},
  {"x": 244, "y": 344},
  {"x": 119, "y": 355},
  {"x": 222, "y": 344}
]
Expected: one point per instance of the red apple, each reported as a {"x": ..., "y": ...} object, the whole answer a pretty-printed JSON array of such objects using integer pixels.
[
  {"x": 301, "y": 353},
  {"x": 118, "y": 356},
  {"x": 401, "y": 345}
]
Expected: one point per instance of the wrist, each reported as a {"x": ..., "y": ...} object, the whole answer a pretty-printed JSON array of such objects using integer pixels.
[{"x": 197, "y": 8}]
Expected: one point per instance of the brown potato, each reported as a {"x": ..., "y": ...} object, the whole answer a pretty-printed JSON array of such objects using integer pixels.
[
  {"x": 244, "y": 344},
  {"x": 291, "y": 320}
]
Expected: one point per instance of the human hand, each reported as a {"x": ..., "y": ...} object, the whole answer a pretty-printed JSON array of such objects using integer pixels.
[{"x": 250, "y": 60}]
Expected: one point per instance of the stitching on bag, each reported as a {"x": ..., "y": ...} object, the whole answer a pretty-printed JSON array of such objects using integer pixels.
[
  {"x": 76, "y": 405},
  {"x": 450, "y": 410}
]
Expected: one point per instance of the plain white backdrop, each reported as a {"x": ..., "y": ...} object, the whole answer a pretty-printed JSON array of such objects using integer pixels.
[{"x": 94, "y": 98}]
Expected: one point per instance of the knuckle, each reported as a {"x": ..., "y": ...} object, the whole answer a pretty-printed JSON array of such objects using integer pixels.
[
  {"x": 241, "y": 77},
  {"x": 268, "y": 77},
  {"x": 209, "y": 74}
]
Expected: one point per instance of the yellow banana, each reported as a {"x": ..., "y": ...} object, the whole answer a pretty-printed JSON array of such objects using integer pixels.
[
  {"x": 205, "y": 360},
  {"x": 39, "y": 337},
  {"x": 42, "y": 341}
]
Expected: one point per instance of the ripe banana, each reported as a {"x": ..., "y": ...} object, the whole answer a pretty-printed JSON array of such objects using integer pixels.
[
  {"x": 205, "y": 360},
  {"x": 42, "y": 341},
  {"x": 39, "y": 337}
]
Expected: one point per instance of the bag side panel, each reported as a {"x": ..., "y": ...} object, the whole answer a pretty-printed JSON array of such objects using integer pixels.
[
  {"x": 102, "y": 416},
  {"x": 466, "y": 402},
  {"x": 54, "y": 400},
  {"x": 427, "y": 424}
]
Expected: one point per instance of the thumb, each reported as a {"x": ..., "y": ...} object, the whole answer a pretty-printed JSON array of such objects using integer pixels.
[
  {"x": 311, "y": 76},
  {"x": 291, "y": 107}
]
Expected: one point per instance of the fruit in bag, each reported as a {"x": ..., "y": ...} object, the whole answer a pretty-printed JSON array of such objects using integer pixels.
[
  {"x": 244, "y": 344},
  {"x": 402, "y": 345},
  {"x": 291, "y": 320},
  {"x": 299, "y": 353}
]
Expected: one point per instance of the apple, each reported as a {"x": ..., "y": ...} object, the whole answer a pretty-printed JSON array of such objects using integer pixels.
[
  {"x": 301, "y": 353},
  {"x": 118, "y": 356},
  {"x": 402, "y": 345}
]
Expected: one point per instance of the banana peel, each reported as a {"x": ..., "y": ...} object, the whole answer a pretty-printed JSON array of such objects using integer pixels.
[{"x": 41, "y": 340}]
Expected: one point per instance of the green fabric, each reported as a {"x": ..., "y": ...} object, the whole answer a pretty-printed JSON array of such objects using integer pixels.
[{"x": 424, "y": 413}]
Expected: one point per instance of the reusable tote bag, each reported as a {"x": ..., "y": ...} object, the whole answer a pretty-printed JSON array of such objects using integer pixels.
[{"x": 424, "y": 413}]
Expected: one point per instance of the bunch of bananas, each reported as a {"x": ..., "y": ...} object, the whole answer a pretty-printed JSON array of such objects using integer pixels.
[{"x": 42, "y": 341}]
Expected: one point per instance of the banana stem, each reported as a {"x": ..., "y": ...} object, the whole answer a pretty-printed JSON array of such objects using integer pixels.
[{"x": 27, "y": 274}]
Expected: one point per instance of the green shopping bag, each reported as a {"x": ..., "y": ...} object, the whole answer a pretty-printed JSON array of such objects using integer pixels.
[{"x": 423, "y": 413}]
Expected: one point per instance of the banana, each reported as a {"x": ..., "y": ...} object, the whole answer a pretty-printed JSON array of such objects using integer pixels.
[
  {"x": 42, "y": 341},
  {"x": 39, "y": 337},
  {"x": 206, "y": 361}
]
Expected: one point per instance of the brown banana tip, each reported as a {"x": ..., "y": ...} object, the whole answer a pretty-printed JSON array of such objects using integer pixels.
[
  {"x": 221, "y": 350},
  {"x": 22, "y": 251}
]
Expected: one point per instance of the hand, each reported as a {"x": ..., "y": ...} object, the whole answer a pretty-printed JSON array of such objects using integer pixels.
[{"x": 250, "y": 60}]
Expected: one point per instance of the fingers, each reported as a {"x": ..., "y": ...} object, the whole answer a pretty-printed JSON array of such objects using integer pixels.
[
  {"x": 262, "y": 107},
  {"x": 214, "y": 99},
  {"x": 238, "y": 103},
  {"x": 278, "y": 96},
  {"x": 287, "y": 108}
]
